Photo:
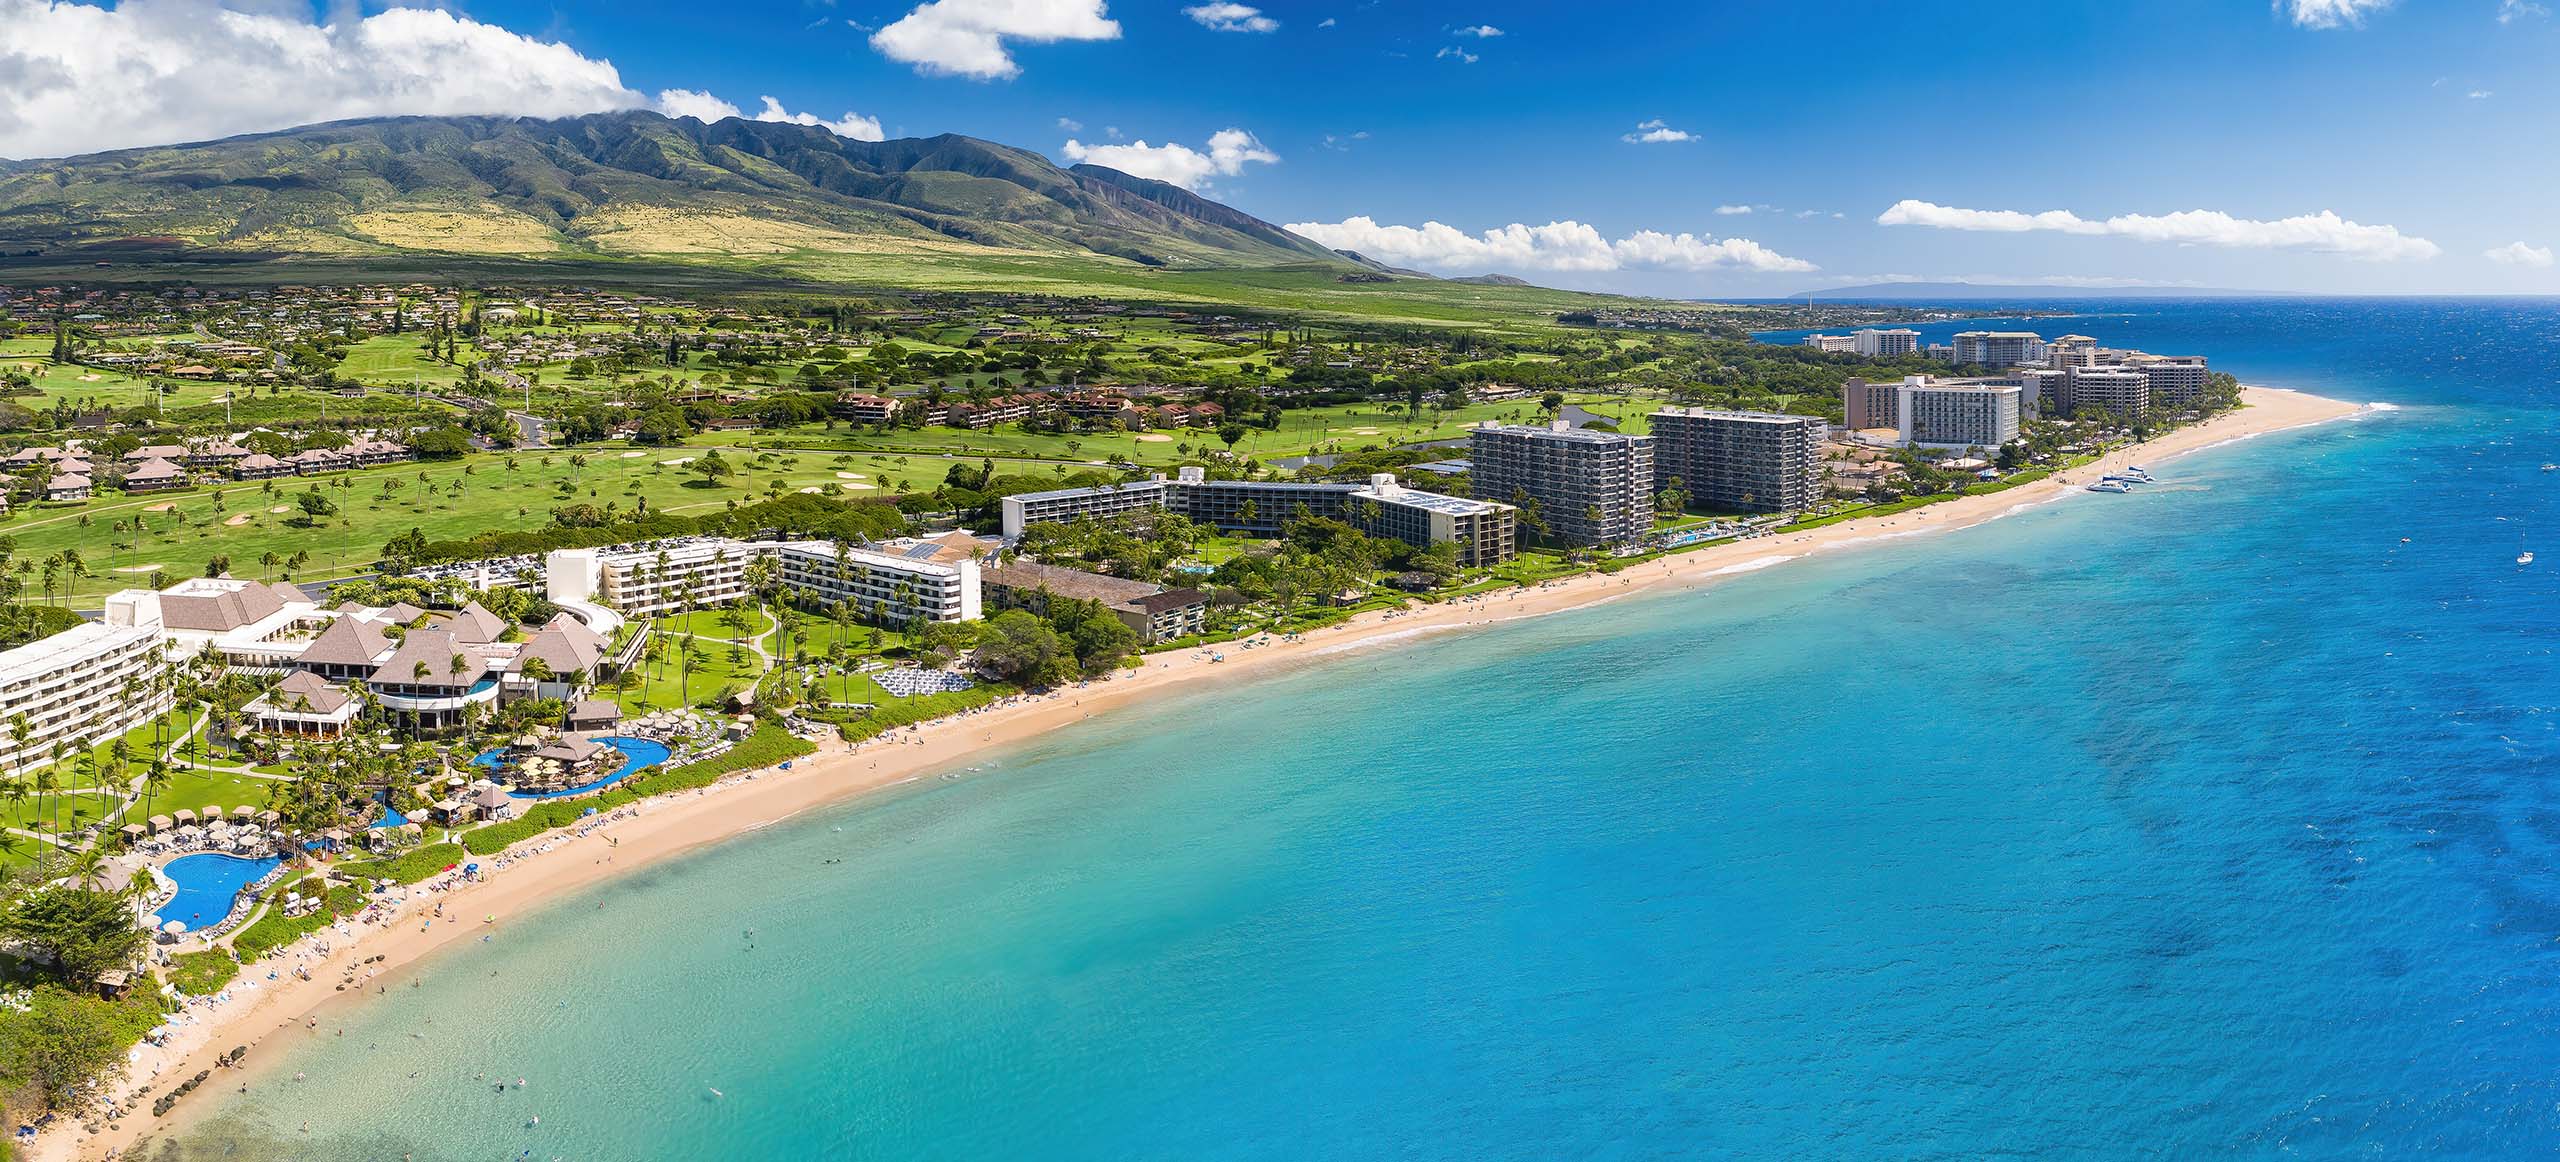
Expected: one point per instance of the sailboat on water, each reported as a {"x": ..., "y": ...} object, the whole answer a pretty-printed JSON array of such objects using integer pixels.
[{"x": 2524, "y": 556}]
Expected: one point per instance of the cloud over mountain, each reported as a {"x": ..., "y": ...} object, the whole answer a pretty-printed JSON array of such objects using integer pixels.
[
  {"x": 1557, "y": 246},
  {"x": 78, "y": 77},
  {"x": 1228, "y": 153}
]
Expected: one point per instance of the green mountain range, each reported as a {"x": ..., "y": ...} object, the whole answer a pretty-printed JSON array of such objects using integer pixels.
[{"x": 632, "y": 186}]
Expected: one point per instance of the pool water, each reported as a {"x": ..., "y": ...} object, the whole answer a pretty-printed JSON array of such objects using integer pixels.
[
  {"x": 209, "y": 886},
  {"x": 638, "y": 754}
]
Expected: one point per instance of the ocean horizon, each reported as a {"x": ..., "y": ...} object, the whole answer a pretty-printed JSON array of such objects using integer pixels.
[{"x": 2214, "y": 818}]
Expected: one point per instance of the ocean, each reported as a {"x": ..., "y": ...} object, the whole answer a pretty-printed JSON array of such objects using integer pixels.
[{"x": 2219, "y": 818}]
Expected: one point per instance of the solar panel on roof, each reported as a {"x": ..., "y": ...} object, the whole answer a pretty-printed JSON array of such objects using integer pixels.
[{"x": 921, "y": 552}]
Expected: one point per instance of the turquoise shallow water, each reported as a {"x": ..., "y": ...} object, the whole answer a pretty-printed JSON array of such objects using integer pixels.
[{"x": 2207, "y": 820}]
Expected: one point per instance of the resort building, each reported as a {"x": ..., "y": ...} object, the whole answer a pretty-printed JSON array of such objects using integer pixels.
[
  {"x": 1867, "y": 405},
  {"x": 90, "y": 682},
  {"x": 1068, "y": 505},
  {"x": 1590, "y": 488},
  {"x": 2174, "y": 381},
  {"x": 1885, "y": 343},
  {"x": 259, "y": 466},
  {"x": 1485, "y": 533},
  {"x": 2071, "y": 351},
  {"x": 1959, "y": 415},
  {"x": 1733, "y": 461},
  {"x": 2123, "y": 391},
  {"x": 667, "y": 577},
  {"x": 303, "y": 704},
  {"x": 1156, "y": 614},
  {"x": 1255, "y": 507},
  {"x": 244, "y": 623},
  {"x": 432, "y": 679},
  {"x": 1999, "y": 348},
  {"x": 902, "y": 581},
  {"x": 1832, "y": 344}
]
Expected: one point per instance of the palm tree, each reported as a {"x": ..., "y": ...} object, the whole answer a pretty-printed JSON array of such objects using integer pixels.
[
  {"x": 89, "y": 867},
  {"x": 155, "y": 781},
  {"x": 49, "y": 782}
]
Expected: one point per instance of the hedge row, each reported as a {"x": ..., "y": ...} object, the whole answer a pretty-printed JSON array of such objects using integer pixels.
[
  {"x": 408, "y": 867},
  {"x": 275, "y": 929}
]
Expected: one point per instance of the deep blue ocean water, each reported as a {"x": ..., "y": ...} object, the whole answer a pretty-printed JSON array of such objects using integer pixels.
[{"x": 2210, "y": 820}]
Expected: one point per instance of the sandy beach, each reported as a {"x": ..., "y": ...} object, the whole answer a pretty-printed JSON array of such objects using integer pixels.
[{"x": 269, "y": 1016}]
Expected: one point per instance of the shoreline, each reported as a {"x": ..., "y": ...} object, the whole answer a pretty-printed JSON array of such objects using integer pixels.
[{"x": 544, "y": 867}]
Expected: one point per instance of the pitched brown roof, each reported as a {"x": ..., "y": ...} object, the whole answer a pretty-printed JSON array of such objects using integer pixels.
[
  {"x": 577, "y": 631},
  {"x": 1073, "y": 583},
  {"x": 155, "y": 469},
  {"x": 564, "y": 654},
  {"x": 1170, "y": 599},
  {"x": 349, "y": 641},
  {"x": 217, "y": 613},
  {"x": 474, "y": 624},
  {"x": 436, "y": 649},
  {"x": 303, "y": 686}
]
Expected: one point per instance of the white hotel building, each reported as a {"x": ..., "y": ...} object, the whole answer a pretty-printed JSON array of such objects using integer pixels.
[
  {"x": 900, "y": 580},
  {"x": 86, "y": 684}
]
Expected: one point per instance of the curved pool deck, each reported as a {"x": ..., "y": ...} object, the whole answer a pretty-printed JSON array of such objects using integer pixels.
[
  {"x": 209, "y": 886},
  {"x": 638, "y": 754}
]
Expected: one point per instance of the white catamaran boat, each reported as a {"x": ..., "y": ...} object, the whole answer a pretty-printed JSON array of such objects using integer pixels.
[
  {"x": 2524, "y": 556},
  {"x": 2111, "y": 484}
]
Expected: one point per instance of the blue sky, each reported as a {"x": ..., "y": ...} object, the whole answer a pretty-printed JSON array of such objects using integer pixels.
[{"x": 1867, "y": 140}]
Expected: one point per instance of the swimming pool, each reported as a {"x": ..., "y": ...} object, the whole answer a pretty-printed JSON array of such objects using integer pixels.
[
  {"x": 638, "y": 754},
  {"x": 209, "y": 886}
]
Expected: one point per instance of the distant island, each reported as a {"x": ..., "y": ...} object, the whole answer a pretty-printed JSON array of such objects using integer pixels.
[{"x": 1903, "y": 291}]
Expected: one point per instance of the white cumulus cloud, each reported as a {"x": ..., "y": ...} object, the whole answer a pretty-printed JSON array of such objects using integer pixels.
[
  {"x": 2324, "y": 232},
  {"x": 2519, "y": 254},
  {"x": 1733, "y": 209},
  {"x": 1228, "y": 16},
  {"x": 2330, "y": 13},
  {"x": 967, "y": 38},
  {"x": 1655, "y": 132},
  {"x": 695, "y": 103},
  {"x": 1230, "y": 150},
  {"x": 2511, "y": 10},
  {"x": 703, "y": 106},
  {"x": 77, "y": 77},
  {"x": 1453, "y": 52},
  {"x": 1487, "y": 31},
  {"x": 1557, "y": 246}
]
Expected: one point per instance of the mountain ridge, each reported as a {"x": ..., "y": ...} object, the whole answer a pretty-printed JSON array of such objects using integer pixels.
[{"x": 628, "y": 185}]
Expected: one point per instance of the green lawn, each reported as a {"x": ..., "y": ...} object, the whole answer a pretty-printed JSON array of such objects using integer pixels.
[
  {"x": 396, "y": 359},
  {"x": 664, "y": 683},
  {"x": 238, "y": 520}
]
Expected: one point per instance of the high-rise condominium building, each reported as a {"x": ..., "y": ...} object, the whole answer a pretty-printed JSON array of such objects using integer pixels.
[
  {"x": 1731, "y": 461},
  {"x": 1885, "y": 343},
  {"x": 1590, "y": 488},
  {"x": 1959, "y": 415},
  {"x": 1999, "y": 348}
]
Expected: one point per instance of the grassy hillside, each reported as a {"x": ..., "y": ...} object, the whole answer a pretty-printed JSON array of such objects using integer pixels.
[
  {"x": 640, "y": 200},
  {"x": 631, "y": 185}
]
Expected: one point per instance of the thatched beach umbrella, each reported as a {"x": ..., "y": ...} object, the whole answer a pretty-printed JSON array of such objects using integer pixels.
[
  {"x": 186, "y": 816},
  {"x": 160, "y": 823}
]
